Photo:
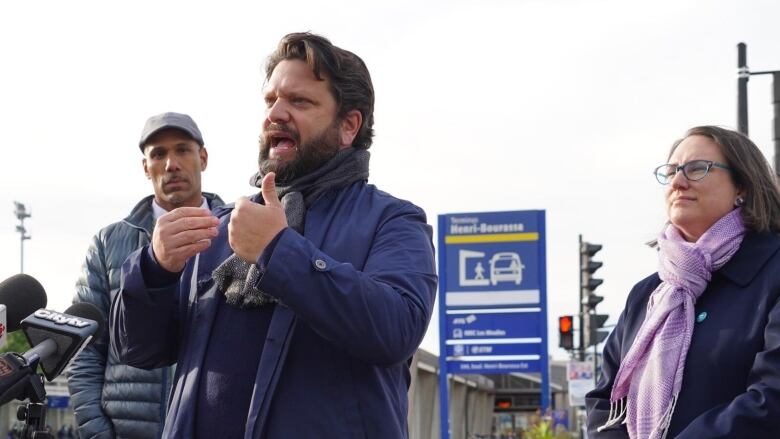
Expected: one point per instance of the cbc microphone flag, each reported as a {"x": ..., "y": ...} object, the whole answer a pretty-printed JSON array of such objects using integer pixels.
[{"x": 3, "y": 326}]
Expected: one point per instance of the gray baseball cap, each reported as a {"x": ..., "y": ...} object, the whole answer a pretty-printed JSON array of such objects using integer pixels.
[{"x": 170, "y": 120}]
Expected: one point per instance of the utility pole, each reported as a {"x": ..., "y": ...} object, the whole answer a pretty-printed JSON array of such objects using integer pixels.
[
  {"x": 21, "y": 213},
  {"x": 581, "y": 350},
  {"x": 776, "y": 104},
  {"x": 743, "y": 74}
]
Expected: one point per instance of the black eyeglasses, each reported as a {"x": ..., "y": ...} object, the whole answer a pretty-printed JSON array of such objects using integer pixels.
[{"x": 694, "y": 170}]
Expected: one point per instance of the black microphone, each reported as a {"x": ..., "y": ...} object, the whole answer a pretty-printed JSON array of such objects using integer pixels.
[
  {"x": 22, "y": 295},
  {"x": 58, "y": 337}
]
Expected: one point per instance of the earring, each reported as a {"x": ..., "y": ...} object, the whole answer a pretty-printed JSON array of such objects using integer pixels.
[{"x": 739, "y": 202}]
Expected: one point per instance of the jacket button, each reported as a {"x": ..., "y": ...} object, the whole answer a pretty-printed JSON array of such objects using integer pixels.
[{"x": 320, "y": 264}]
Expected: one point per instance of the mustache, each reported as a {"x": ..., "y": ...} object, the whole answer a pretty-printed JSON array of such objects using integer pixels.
[
  {"x": 266, "y": 137},
  {"x": 174, "y": 178}
]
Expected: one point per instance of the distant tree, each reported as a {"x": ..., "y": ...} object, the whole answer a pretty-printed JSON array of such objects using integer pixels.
[{"x": 15, "y": 342}]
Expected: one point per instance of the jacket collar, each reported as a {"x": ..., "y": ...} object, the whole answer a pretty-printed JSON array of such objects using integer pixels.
[
  {"x": 142, "y": 217},
  {"x": 754, "y": 252}
]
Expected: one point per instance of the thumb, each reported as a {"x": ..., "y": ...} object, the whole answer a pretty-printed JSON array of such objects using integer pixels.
[{"x": 269, "y": 190}]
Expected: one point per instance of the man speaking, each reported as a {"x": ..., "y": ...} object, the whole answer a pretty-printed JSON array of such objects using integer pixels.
[{"x": 295, "y": 312}]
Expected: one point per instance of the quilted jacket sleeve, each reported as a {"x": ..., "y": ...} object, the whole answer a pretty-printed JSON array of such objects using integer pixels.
[{"x": 86, "y": 373}]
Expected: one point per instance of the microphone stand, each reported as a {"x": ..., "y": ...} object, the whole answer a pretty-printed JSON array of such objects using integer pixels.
[
  {"x": 29, "y": 386},
  {"x": 34, "y": 412}
]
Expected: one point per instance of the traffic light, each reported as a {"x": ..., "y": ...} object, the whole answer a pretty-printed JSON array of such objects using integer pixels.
[
  {"x": 504, "y": 403},
  {"x": 595, "y": 333},
  {"x": 566, "y": 331},
  {"x": 588, "y": 283},
  {"x": 592, "y": 323}
]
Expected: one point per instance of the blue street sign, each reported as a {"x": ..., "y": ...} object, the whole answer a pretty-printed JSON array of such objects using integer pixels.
[
  {"x": 57, "y": 402},
  {"x": 560, "y": 417},
  {"x": 461, "y": 350},
  {"x": 497, "y": 366},
  {"x": 497, "y": 325},
  {"x": 492, "y": 297}
]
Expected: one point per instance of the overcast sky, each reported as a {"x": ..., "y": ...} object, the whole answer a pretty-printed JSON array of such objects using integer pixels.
[{"x": 559, "y": 105}]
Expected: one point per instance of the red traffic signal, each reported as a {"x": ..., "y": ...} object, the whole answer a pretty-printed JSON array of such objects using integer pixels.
[
  {"x": 503, "y": 403},
  {"x": 566, "y": 332},
  {"x": 565, "y": 324}
]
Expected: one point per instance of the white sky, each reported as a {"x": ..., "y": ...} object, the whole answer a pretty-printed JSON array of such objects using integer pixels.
[{"x": 481, "y": 106}]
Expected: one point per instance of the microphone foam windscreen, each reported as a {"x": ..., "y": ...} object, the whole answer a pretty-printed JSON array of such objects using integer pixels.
[
  {"x": 22, "y": 295},
  {"x": 89, "y": 311}
]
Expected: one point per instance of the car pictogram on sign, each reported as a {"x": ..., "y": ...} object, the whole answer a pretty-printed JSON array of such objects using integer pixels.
[{"x": 506, "y": 267}]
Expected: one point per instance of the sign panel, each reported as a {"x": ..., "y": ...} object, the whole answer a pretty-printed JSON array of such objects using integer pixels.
[
  {"x": 560, "y": 417},
  {"x": 57, "y": 402},
  {"x": 579, "y": 370},
  {"x": 492, "y": 295},
  {"x": 496, "y": 324},
  {"x": 494, "y": 340},
  {"x": 581, "y": 381}
]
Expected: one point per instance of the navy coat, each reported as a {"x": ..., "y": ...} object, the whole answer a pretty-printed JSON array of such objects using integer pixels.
[
  {"x": 731, "y": 382},
  {"x": 358, "y": 292},
  {"x": 111, "y": 399}
]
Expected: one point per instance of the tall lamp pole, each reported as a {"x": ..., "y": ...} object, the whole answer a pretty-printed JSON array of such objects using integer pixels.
[
  {"x": 21, "y": 213},
  {"x": 743, "y": 74}
]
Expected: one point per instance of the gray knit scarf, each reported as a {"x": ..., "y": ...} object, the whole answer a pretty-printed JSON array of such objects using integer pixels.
[{"x": 237, "y": 278}]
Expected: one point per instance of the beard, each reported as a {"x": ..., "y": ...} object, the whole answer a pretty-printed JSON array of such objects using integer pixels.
[{"x": 310, "y": 155}]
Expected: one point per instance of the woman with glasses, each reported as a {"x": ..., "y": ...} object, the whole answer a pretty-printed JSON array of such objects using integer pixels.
[{"x": 696, "y": 351}]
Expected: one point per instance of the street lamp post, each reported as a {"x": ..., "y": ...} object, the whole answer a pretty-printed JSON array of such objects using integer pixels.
[
  {"x": 21, "y": 213},
  {"x": 743, "y": 74}
]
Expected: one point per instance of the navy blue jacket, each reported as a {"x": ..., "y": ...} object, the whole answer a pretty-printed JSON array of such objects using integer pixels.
[
  {"x": 358, "y": 291},
  {"x": 731, "y": 382},
  {"x": 111, "y": 399}
]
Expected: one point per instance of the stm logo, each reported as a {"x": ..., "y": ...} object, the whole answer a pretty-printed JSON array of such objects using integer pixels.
[{"x": 60, "y": 319}]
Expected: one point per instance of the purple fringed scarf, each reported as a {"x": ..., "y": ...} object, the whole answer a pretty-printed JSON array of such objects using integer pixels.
[{"x": 650, "y": 375}]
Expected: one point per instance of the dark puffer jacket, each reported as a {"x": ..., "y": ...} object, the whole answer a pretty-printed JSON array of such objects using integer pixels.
[{"x": 113, "y": 400}]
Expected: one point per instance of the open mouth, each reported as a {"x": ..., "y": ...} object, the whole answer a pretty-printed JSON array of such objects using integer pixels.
[{"x": 282, "y": 141}]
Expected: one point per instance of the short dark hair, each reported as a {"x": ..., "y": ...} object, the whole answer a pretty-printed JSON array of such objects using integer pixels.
[
  {"x": 751, "y": 173},
  {"x": 350, "y": 82}
]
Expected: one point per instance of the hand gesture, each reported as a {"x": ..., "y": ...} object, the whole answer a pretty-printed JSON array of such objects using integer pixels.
[
  {"x": 253, "y": 226},
  {"x": 181, "y": 234}
]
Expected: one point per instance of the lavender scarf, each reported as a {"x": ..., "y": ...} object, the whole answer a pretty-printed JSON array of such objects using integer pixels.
[{"x": 650, "y": 376}]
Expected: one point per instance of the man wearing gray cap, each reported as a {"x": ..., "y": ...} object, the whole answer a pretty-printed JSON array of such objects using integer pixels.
[{"x": 112, "y": 399}]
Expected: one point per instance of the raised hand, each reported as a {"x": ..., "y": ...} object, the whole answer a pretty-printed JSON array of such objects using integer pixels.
[
  {"x": 181, "y": 234},
  {"x": 253, "y": 226}
]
